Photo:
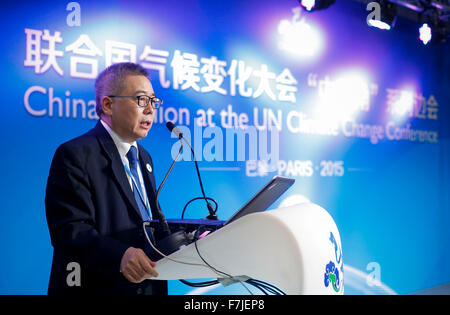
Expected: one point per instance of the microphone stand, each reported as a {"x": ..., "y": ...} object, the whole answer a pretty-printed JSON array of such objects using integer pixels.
[
  {"x": 212, "y": 214},
  {"x": 164, "y": 224}
]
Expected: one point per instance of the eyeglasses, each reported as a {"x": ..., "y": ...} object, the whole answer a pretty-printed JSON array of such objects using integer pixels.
[{"x": 143, "y": 100}]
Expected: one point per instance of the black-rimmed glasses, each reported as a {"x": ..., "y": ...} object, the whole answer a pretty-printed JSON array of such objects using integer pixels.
[{"x": 144, "y": 100}]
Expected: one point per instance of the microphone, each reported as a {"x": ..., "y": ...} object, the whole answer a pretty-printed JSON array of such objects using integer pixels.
[
  {"x": 176, "y": 131},
  {"x": 173, "y": 241}
]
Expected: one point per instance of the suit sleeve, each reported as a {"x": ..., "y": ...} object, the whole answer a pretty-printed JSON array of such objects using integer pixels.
[{"x": 71, "y": 215}]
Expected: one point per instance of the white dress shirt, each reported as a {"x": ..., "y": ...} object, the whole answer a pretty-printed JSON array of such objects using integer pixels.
[{"x": 123, "y": 147}]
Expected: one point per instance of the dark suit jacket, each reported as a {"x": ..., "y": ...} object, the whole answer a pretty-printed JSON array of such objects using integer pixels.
[{"x": 93, "y": 217}]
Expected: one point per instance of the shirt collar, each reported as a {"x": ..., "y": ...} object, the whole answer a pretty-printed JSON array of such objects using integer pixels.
[{"x": 122, "y": 146}]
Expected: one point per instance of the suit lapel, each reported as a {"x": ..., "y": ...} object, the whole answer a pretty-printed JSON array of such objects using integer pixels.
[{"x": 116, "y": 163}]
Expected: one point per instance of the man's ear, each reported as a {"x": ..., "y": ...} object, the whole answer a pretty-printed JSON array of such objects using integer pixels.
[{"x": 107, "y": 105}]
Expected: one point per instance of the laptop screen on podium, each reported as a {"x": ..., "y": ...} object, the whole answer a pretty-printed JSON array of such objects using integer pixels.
[{"x": 264, "y": 198}]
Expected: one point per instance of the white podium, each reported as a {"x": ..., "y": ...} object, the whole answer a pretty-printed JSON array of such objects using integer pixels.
[{"x": 297, "y": 249}]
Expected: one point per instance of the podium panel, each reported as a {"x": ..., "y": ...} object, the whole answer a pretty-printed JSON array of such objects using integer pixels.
[{"x": 297, "y": 249}]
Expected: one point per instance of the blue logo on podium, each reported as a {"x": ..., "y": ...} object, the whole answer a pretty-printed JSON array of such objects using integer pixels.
[{"x": 331, "y": 276}]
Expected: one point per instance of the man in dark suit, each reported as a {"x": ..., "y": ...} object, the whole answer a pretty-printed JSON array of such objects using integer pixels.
[{"x": 101, "y": 188}]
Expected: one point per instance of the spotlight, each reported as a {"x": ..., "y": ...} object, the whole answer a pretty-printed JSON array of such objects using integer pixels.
[
  {"x": 344, "y": 98},
  {"x": 404, "y": 104},
  {"x": 425, "y": 33},
  {"x": 433, "y": 29},
  {"x": 308, "y": 4},
  {"x": 387, "y": 17},
  {"x": 299, "y": 38},
  {"x": 315, "y": 5}
]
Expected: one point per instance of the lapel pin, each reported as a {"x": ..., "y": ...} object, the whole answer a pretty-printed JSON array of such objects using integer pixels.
[{"x": 149, "y": 168}]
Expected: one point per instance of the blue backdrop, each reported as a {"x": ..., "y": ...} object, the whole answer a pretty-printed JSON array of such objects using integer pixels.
[{"x": 361, "y": 117}]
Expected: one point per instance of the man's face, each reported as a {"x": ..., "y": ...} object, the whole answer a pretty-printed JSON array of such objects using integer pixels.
[{"x": 131, "y": 122}]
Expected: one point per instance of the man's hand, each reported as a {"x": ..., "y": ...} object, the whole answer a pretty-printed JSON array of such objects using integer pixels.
[{"x": 136, "y": 266}]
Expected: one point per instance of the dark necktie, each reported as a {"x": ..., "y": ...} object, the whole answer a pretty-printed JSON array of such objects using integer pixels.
[{"x": 132, "y": 159}]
